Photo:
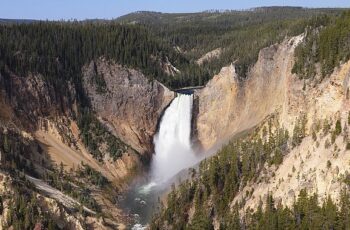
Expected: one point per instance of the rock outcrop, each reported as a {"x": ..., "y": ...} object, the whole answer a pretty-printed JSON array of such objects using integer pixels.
[
  {"x": 228, "y": 106},
  {"x": 214, "y": 54},
  {"x": 129, "y": 104}
]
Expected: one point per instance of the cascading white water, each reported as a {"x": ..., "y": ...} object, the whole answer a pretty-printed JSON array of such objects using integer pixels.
[{"x": 173, "y": 150}]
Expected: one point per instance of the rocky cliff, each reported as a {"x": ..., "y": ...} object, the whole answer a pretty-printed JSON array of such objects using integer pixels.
[
  {"x": 320, "y": 163},
  {"x": 228, "y": 106},
  {"x": 129, "y": 103}
]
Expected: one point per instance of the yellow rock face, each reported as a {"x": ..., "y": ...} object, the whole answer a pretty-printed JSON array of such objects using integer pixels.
[{"x": 228, "y": 106}]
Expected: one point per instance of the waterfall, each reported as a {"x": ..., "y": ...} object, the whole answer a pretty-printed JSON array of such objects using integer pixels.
[{"x": 173, "y": 150}]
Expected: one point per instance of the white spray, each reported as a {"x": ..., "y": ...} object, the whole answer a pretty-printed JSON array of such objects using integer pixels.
[{"x": 173, "y": 150}]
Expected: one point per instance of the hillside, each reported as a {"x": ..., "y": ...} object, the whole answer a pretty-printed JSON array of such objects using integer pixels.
[{"x": 241, "y": 34}]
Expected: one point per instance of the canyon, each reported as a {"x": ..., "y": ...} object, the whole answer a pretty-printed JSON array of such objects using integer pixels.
[
  {"x": 102, "y": 145},
  {"x": 131, "y": 108}
]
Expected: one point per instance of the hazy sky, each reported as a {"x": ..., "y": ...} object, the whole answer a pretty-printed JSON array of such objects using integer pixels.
[{"x": 107, "y": 9}]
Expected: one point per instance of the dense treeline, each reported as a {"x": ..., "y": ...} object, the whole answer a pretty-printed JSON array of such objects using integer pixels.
[
  {"x": 305, "y": 213},
  {"x": 240, "y": 33},
  {"x": 58, "y": 50},
  {"x": 327, "y": 44}
]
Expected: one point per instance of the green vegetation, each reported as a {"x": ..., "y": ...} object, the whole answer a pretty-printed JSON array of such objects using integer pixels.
[
  {"x": 305, "y": 213},
  {"x": 99, "y": 81},
  {"x": 221, "y": 176},
  {"x": 16, "y": 153},
  {"x": 79, "y": 184},
  {"x": 94, "y": 135},
  {"x": 19, "y": 159},
  {"x": 25, "y": 211},
  {"x": 338, "y": 129},
  {"x": 58, "y": 50},
  {"x": 96, "y": 178},
  {"x": 327, "y": 43},
  {"x": 299, "y": 131},
  {"x": 210, "y": 192},
  {"x": 240, "y": 33}
]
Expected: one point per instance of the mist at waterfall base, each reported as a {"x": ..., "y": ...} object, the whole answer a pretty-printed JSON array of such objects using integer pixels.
[
  {"x": 173, "y": 150},
  {"x": 173, "y": 153}
]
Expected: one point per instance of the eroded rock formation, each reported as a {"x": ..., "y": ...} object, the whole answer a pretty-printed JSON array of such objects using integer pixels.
[
  {"x": 228, "y": 106},
  {"x": 130, "y": 104}
]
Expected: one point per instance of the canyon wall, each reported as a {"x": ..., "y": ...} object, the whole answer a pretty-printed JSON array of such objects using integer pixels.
[
  {"x": 227, "y": 105},
  {"x": 46, "y": 116},
  {"x": 320, "y": 164},
  {"x": 130, "y": 104}
]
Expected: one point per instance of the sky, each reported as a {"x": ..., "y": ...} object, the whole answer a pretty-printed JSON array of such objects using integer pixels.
[{"x": 108, "y": 9}]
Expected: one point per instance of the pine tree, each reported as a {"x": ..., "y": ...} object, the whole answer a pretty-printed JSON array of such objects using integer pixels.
[
  {"x": 6, "y": 144},
  {"x": 338, "y": 128}
]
